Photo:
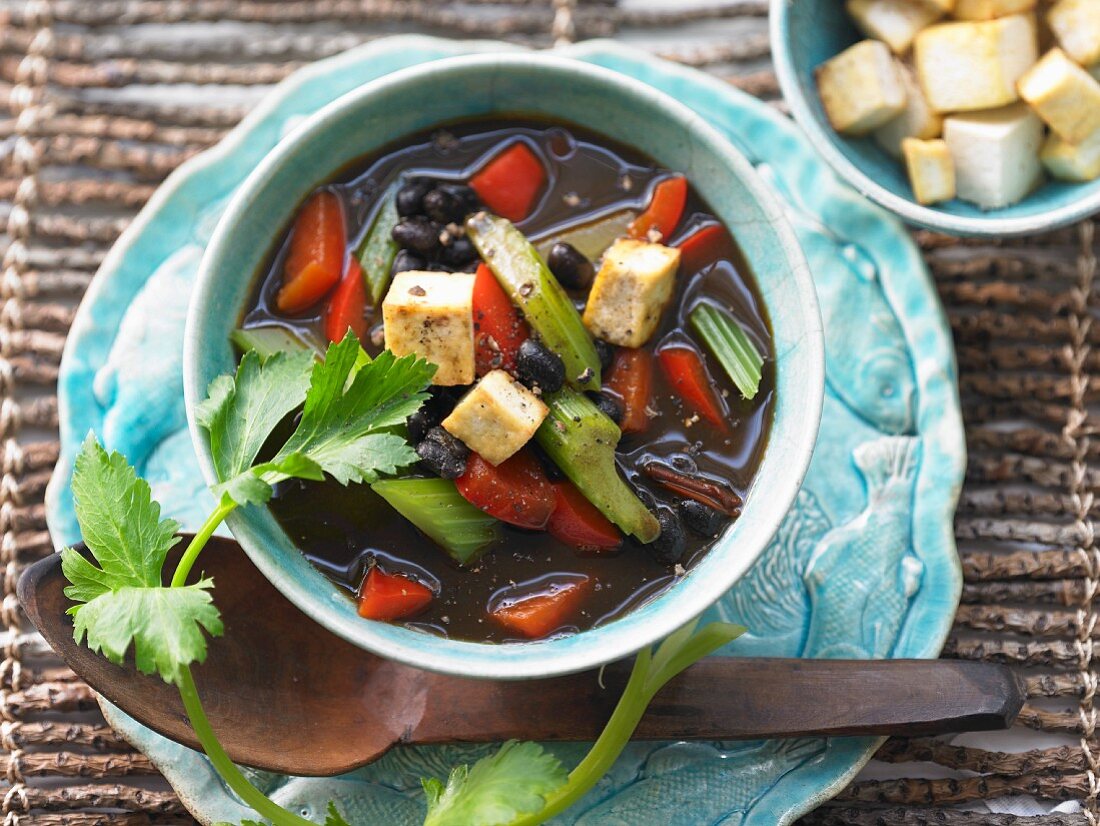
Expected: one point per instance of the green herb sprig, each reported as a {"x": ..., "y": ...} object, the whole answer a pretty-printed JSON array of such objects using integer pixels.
[
  {"x": 523, "y": 785},
  {"x": 351, "y": 411},
  {"x": 350, "y": 407}
]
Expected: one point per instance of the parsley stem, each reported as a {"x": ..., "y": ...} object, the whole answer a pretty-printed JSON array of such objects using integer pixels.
[
  {"x": 183, "y": 567},
  {"x": 607, "y": 748},
  {"x": 225, "y": 767},
  {"x": 648, "y": 676}
]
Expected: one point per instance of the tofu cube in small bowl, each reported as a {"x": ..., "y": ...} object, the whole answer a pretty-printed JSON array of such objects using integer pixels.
[{"x": 1008, "y": 86}]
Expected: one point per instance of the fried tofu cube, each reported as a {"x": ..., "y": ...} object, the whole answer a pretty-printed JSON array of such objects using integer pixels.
[
  {"x": 1064, "y": 95},
  {"x": 943, "y": 6},
  {"x": 996, "y": 154},
  {"x": 497, "y": 417},
  {"x": 861, "y": 88},
  {"x": 1076, "y": 24},
  {"x": 991, "y": 9},
  {"x": 917, "y": 120},
  {"x": 895, "y": 22},
  {"x": 630, "y": 292},
  {"x": 1066, "y": 161},
  {"x": 931, "y": 170},
  {"x": 968, "y": 66},
  {"x": 431, "y": 314}
]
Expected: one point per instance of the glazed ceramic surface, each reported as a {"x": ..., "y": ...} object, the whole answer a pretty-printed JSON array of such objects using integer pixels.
[
  {"x": 542, "y": 85},
  {"x": 806, "y": 33},
  {"x": 864, "y": 565}
]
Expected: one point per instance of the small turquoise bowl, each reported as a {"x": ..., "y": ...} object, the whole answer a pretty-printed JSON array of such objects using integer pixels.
[
  {"x": 806, "y": 33},
  {"x": 625, "y": 110}
]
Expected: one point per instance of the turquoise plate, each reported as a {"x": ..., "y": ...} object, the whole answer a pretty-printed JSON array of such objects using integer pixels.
[{"x": 864, "y": 565}]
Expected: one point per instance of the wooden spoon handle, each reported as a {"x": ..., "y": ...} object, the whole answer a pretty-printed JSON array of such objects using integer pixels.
[{"x": 740, "y": 699}]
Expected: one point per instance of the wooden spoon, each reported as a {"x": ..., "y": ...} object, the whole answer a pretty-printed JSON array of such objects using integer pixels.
[{"x": 284, "y": 694}]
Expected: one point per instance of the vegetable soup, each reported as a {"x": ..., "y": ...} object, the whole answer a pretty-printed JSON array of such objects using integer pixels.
[{"x": 603, "y": 387}]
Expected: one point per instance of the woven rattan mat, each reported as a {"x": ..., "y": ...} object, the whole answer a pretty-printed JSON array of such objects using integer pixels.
[{"x": 85, "y": 141}]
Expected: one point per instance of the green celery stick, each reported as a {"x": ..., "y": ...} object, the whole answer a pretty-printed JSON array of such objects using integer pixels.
[
  {"x": 548, "y": 309},
  {"x": 437, "y": 508},
  {"x": 590, "y": 239},
  {"x": 378, "y": 249},
  {"x": 581, "y": 440},
  {"x": 731, "y": 346},
  {"x": 272, "y": 339}
]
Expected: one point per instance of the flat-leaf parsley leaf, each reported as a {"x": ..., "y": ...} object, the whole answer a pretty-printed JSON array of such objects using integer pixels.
[
  {"x": 122, "y": 602},
  {"x": 119, "y": 521},
  {"x": 333, "y": 818},
  {"x": 513, "y": 781},
  {"x": 164, "y": 624},
  {"x": 241, "y": 411},
  {"x": 350, "y": 401},
  {"x": 346, "y": 413}
]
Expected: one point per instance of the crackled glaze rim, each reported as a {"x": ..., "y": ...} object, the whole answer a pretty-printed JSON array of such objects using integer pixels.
[
  {"x": 824, "y": 139},
  {"x": 794, "y": 429}
]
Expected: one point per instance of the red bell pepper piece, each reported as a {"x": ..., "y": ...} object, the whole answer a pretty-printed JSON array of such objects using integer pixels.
[
  {"x": 345, "y": 308},
  {"x": 537, "y": 615},
  {"x": 499, "y": 328},
  {"x": 389, "y": 596},
  {"x": 704, "y": 246},
  {"x": 317, "y": 252},
  {"x": 516, "y": 491},
  {"x": 510, "y": 183},
  {"x": 631, "y": 380},
  {"x": 685, "y": 370},
  {"x": 578, "y": 523},
  {"x": 665, "y": 209}
]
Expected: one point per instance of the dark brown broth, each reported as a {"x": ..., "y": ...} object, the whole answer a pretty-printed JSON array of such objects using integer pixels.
[{"x": 343, "y": 530}]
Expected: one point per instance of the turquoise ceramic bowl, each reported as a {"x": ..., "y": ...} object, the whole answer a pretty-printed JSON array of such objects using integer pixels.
[
  {"x": 508, "y": 83},
  {"x": 806, "y": 33}
]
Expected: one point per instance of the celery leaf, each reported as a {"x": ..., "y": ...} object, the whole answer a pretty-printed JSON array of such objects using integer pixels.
[
  {"x": 241, "y": 411},
  {"x": 350, "y": 406},
  {"x": 496, "y": 789},
  {"x": 120, "y": 599}
]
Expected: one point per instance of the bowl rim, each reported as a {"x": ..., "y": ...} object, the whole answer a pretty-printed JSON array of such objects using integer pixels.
[
  {"x": 824, "y": 140},
  {"x": 616, "y": 639}
]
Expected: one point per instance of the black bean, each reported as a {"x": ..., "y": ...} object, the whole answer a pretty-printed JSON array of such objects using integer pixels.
[
  {"x": 419, "y": 423},
  {"x": 608, "y": 406},
  {"x": 419, "y": 234},
  {"x": 704, "y": 520},
  {"x": 606, "y": 353},
  {"x": 470, "y": 266},
  {"x": 669, "y": 546},
  {"x": 410, "y": 197},
  {"x": 441, "y": 401},
  {"x": 443, "y": 454},
  {"x": 459, "y": 252},
  {"x": 466, "y": 194},
  {"x": 537, "y": 365},
  {"x": 438, "y": 266},
  {"x": 405, "y": 261},
  {"x": 571, "y": 268},
  {"x": 443, "y": 205}
]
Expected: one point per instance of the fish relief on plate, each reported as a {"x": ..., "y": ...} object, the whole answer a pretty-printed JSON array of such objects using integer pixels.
[{"x": 841, "y": 578}]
